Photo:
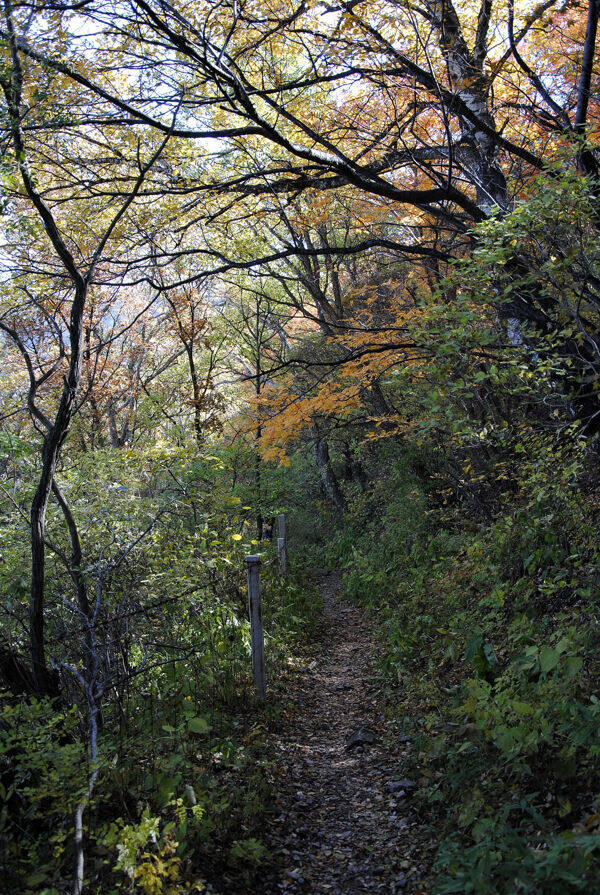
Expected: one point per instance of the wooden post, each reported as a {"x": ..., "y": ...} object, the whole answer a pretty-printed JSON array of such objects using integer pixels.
[
  {"x": 282, "y": 544},
  {"x": 282, "y": 527},
  {"x": 257, "y": 638},
  {"x": 282, "y": 555}
]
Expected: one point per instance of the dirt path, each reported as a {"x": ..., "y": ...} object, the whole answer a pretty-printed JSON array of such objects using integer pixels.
[{"x": 345, "y": 821}]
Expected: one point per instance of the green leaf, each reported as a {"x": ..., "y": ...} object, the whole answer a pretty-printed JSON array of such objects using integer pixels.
[
  {"x": 198, "y": 725},
  {"x": 549, "y": 658},
  {"x": 573, "y": 665}
]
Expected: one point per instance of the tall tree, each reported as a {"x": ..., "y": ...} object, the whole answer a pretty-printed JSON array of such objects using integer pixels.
[{"x": 69, "y": 266}]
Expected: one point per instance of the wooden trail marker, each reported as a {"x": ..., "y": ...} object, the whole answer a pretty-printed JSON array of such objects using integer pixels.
[
  {"x": 282, "y": 547},
  {"x": 257, "y": 638},
  {"x": 282, "y": 556},
  {"x": 282, "y": 526}
]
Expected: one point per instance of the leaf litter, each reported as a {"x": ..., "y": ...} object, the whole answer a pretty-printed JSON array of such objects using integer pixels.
[{"x": 344, "y": 821}]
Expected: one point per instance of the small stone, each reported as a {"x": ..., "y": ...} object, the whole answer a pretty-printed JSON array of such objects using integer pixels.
[
  {"x": 399, "y": 884},
  {"x": 362, "y": 736},
  {"x": 395, "y": 786}
]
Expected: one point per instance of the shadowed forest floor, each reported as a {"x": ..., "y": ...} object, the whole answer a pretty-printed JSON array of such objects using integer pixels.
[{"x": 344, "y": 824}]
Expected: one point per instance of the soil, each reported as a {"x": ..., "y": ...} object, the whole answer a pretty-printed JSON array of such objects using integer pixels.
[{"x": 345, "y": 824}]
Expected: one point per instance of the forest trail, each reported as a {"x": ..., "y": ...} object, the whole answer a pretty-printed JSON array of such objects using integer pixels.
[{"x": 344, "y": 824}]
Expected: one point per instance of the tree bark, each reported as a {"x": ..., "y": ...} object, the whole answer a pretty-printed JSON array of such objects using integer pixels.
[
  {"x": 53, "y": 441},
  {"x": 469, "y": 81},
  {"x": 586, "y": 159},
  {"x": 328, "y": 476}
]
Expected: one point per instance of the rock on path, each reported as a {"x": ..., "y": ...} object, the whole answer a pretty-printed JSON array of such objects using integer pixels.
[{"x": 344, "y": 825}]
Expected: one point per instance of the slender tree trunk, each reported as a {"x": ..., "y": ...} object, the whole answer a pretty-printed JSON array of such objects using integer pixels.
[
  {"x": 374, "y": 396},
  {"x": 78, "y": 578},
  {"x": 586, "y": 159},
  {"x": 44, "y": 680},
  {"x": 328, "y": 477},
  {"x": 354, "y": 470},
  {"x": 257, "y": 436},
  {"x": 96, "y": 433},
  {"x": 37, "y": 643},
  {"x": 257, "y": 485},
  {"x": 197, "y": 397},
  {"x": 76, "y": 552}
]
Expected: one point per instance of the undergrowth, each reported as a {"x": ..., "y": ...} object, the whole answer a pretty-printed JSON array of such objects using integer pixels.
[
  {"x": 489, "y": 634},
  {"x": 183, "y": 790}
]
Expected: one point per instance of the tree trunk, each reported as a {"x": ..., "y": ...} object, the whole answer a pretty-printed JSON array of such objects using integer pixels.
[
  {"x": 257, "y": 483},
  {"x": 586, "y": 158},
  {"x": 197, "y": 395},
  {"x": 76, "y": 552},
  {"x": 354, "y": 470},
  {"x": 328, "y": 477},
  {"x": 468, "y": 78},
  {"x": 46, "y": 682}
]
